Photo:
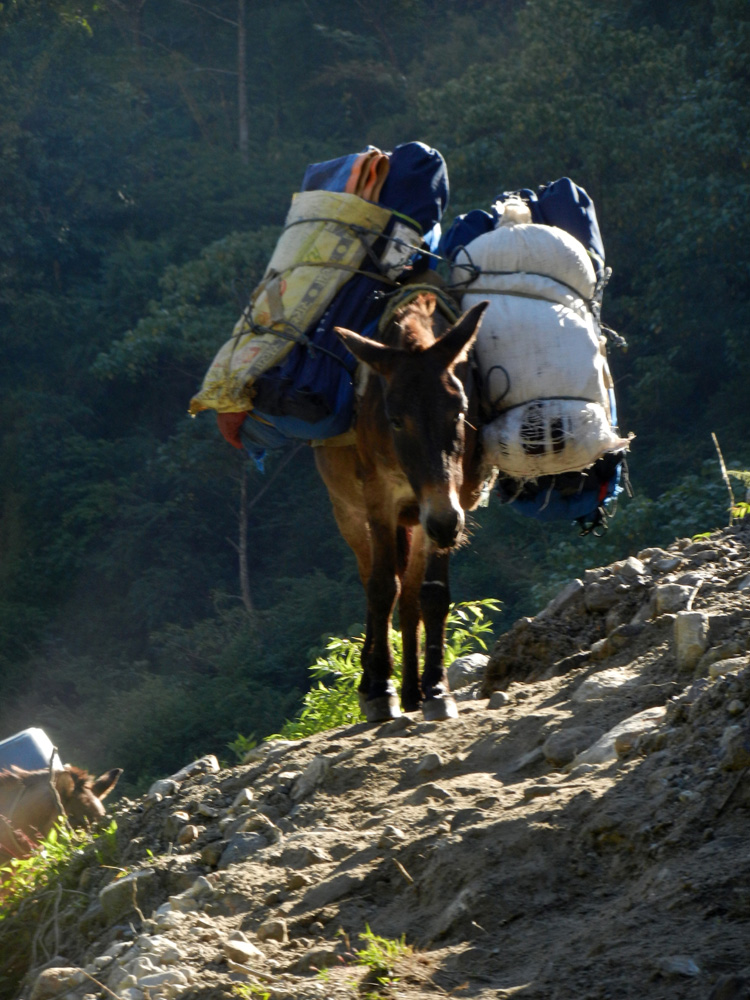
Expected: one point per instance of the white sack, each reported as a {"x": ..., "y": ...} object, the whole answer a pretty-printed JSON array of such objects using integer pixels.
[
  {"x": 539, "y": 350},
  {"x": 550, "y": 436},
  {"x": 530, "y": 248},
  {"x": 531, "y": 348}
]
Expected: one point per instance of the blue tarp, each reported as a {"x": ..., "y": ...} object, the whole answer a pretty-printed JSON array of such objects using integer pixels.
[{"x": 331, "y": 175}]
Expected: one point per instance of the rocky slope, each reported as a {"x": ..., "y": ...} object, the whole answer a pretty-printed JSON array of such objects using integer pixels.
[{"x": 581, "y": 831}]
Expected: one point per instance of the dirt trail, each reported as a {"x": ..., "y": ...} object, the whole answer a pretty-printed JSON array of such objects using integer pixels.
[{"x": 581, "y": 831}]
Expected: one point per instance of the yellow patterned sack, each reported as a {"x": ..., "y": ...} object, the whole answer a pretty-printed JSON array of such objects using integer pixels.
[{"x": 319, "y": 250}]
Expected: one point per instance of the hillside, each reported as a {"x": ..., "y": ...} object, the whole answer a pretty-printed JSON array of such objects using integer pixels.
[
  {"x": 150, "y": 153},
  {"x": 580, "y": 831}
]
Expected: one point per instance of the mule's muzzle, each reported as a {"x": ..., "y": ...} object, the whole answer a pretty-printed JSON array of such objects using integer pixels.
[{"x": 444, "y": 528}]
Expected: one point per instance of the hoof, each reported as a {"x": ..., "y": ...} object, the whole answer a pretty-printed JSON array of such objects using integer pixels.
[
  {"x": 381, "y": 704},
  {"x": 382, "y": 709},
  {"x": 440, "y": 708}
]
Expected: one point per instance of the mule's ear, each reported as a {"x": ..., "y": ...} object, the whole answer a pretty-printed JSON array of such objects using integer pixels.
[
  {"x": 377, "y": 356},
  {"x": 106, "y": 782},
  {"x": 460, "y": 337}
]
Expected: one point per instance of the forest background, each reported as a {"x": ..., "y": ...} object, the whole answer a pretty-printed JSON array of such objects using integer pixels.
[{"x": 148, "y": 153}]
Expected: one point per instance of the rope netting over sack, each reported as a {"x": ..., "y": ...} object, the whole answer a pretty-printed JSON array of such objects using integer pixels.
[
  {"x": 550, "y": 413},
  {"x": 354, "y": 227},
  {"x": 540, "y": 352}
]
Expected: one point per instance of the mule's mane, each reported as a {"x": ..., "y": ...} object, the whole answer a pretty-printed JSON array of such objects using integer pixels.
[
  {"x": 17, "y": 775},
  {"x": 417, "y": 318},
  {"x": 412, "y": 326},
  {"x": 79, "y": 777}
]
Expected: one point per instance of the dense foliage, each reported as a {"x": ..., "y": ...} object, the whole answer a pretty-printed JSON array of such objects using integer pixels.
[
  {"x": 334, "y": 700},
  {"x": 141, "y": 202}
]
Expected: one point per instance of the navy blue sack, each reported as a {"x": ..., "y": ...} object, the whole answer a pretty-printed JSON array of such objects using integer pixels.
[
  {"x": 417, "y": 187},
  {"x": 464, "y": 229},
  {"x": 587, "y": 498},
  {"x": 566, "y": 205},
  {"x": 311, "y": 394}
]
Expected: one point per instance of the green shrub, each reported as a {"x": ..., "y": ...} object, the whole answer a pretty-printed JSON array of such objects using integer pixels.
[
  {"x": 41, "y": 901},
  {"x": 333, "y": 700}
]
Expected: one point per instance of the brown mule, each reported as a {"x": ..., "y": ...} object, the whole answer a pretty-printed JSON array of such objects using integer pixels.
[
  {"x": 29, "y": 804},
  {"x": 399, "y": 494}
]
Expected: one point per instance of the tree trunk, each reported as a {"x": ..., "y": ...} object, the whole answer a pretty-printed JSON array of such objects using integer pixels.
[
  {"x": 242, "y": 546},
  {"x": 127, "y": 16},
  {"x": 243, "y": 140}
]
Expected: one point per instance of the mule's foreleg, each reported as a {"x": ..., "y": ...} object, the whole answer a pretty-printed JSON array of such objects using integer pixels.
[
  {"x": 410, "y": 618},
  {"x": 382, "y": 589},
  {"x": 435, "y": 599}
]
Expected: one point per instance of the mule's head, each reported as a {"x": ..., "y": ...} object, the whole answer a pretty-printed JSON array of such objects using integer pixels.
[
  {"x": 81, "y": 794},
  {"x": 426, "y": 407}
]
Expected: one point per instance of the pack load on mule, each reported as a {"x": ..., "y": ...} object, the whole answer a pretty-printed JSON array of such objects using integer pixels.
[
  {"x": 360, "y": 226},
  {"x": 550, "y": 418},
  {"x": 350, "y": 232},
  {"x": 30, "y": 749}
]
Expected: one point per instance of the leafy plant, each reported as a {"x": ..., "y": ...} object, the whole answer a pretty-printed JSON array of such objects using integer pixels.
[
  {"x": 382, "y": 956},
  {"x": 333, "y": 700},
  {"x": 53, "y": 862},
  {"x": 242, "y": 746},
  {"x": 467, "y": 626},
  {"x": 741, "y": 508},
  {"x": 742, "y": 474},
  {"x": 40, "y": 899}
]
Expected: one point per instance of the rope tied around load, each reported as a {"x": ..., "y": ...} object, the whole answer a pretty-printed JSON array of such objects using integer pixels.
[
  {"x": 593, "y": 304},
  {"x": 288, "y": 331},
  {"x": 362, "y": 232}
]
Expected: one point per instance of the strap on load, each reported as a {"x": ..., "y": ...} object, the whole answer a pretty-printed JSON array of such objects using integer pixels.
[{"x": 326, "y": 238}]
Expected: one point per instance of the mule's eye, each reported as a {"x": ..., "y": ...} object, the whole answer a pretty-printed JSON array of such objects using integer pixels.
[{"x": 396, "y": 423}]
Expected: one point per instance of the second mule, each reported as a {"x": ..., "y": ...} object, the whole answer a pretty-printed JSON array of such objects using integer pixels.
[{"x": 30, "y": 802}]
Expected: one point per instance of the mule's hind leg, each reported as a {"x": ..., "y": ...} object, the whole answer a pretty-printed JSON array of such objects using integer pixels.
[
  {"x": 354, "y": 530},
  {"x": 338, "y": 467},
  {"x": 435, "y": 599}
]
